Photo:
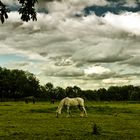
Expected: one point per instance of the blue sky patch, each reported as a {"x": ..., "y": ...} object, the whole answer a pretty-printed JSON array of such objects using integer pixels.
[
  {"x": 6, "y": 58},
  {"x": 116, "y": 9}
]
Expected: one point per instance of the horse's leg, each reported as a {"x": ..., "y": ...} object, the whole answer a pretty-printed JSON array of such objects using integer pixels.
[
  {"x": 81, "y": 109},
  {"x": 68, "y": 110},
  {"x": 85, "y": 112}
]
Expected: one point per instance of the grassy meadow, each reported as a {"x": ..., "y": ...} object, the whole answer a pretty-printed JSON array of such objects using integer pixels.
[{"x": 116, "y": 120}]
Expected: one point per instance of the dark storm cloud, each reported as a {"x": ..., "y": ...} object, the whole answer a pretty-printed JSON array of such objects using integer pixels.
[
  {"x": 134, "y": 61},
  {"x": 100, "y": 76},
  {"x": 69, "y": 72}
]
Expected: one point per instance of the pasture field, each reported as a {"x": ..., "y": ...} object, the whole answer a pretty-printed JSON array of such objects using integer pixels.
[{"x": 117, "y": 121}]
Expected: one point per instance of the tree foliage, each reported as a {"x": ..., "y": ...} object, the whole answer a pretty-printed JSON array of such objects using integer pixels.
[
  {"x": 17, "y": 84},
  {"x": 26, "y": 9}
]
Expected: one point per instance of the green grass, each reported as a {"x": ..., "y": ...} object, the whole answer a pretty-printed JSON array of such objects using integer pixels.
[{"x": 117, "y": 120}]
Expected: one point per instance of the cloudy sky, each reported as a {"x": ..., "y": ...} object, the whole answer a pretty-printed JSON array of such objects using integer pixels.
[{"x": 88, "y": 43}]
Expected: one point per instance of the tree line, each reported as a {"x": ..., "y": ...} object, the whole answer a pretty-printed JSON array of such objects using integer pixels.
[{"x": 18, "y": 84}]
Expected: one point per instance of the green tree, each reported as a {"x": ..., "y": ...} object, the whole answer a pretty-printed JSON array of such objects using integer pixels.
[
  {"x": 60, "y": 93},
  {"x": 125, "y": 92},
  {"x": 42, "y": 93},
  {"x": 49, "y": 86},
  {"x": 32, "y": 85},
  {"x": 102, "y": 93},
  {"x": 70, "y": 92},
  {"x": 17, "y": 84},
  {"x": 113, "y": 93},
  {"x": 50, "y": 91},
  {"x": 4, "y": 83},
  {"x": 135, "y": 96},
  {"x": 90, "y": 95},
  {"x": 77, "y": 90},
  {"x": 26, "y": 9}
]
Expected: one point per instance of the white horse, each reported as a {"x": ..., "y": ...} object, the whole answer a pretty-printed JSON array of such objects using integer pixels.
[{"x": 71, "y": 102}]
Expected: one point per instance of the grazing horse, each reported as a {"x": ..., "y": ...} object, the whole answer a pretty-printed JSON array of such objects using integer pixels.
[
  {"x": 30, "y": 99},
  {"x": 71, "y": 102}
]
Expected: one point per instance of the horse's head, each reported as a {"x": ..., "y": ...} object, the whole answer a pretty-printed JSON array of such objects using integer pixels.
[{"x": 58, "y": 112}]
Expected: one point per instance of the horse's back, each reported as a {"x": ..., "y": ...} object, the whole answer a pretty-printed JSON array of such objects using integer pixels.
[{"x": 74, "y": 101}]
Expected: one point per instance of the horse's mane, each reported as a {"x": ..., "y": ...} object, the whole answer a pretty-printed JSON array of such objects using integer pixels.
[{"x": 60, "y": 106}]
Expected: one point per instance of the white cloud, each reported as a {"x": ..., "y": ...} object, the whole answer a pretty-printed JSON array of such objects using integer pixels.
[
  {"x": 72, "y": 5},
  {"x": 129, "y": 22},
  {"x": 116, "y": 81},
  {"x": 96, "y": 70},
  {"x": 10, "y": 2}
]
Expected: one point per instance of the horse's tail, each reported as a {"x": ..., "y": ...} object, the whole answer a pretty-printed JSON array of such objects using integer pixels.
[{"x": 59, "y": 108}]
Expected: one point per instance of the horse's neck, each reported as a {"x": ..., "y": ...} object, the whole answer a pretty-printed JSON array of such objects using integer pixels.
[{"x": 60, "y": 106}]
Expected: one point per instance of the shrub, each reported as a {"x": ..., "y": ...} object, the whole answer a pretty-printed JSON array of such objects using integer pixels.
[{"x": 96, "y": 129}]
